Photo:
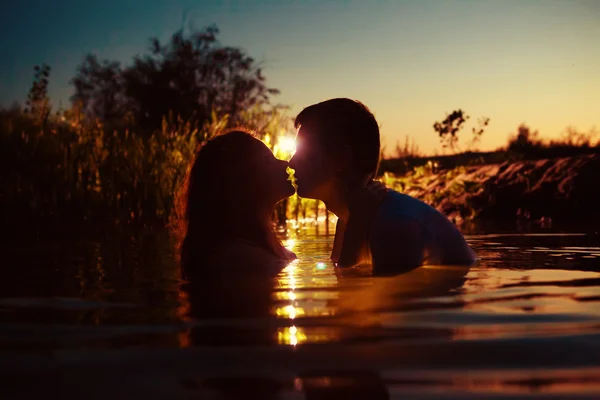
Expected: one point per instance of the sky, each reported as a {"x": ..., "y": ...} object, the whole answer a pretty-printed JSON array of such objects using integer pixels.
[{"x": 410, "y": 61}]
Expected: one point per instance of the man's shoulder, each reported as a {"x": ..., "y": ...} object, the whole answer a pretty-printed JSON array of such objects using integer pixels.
[
  {"x": 397, "y": 215},
  {"x": 400, "y": 206}
]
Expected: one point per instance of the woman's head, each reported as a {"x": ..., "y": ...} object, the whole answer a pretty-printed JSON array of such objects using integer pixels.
[
  {"x": 237, "y": 170},
  {"x": 232, "y": 187}
]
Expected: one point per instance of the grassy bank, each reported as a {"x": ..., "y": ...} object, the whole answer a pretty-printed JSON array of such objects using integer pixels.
[
  {"x": 65, "y": 174},
  {"x": 542, "y": 190},
  {"x": 69, "y": 174}
]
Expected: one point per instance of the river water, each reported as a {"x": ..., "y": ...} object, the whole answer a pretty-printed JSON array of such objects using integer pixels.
[{"x": 111, "y": 319}]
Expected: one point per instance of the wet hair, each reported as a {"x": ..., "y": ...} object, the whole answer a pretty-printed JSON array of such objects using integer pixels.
[
  {"x": 344, "y": 122},
  {"x": 217, "y": 204}
]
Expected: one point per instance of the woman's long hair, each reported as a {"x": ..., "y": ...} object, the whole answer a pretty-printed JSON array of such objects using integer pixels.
[{"x": 217, "y": 204}]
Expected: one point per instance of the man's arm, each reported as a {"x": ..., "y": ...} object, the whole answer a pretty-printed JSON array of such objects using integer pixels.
[
  {"x": 397, "y": 245},
  {"x": 338, "y": 241},
  {"x": 354, "y": 248},
  {"x": 363, "y": 204}
]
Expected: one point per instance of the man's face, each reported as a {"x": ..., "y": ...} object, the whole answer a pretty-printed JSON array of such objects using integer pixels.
[{"x": 314, "y": 169}]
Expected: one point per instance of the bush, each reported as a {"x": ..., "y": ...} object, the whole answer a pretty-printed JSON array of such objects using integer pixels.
[{"x": 71, "y": 170}]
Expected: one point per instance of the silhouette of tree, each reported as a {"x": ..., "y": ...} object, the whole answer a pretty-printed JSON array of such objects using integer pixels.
[
  {"x": 38, "y": 102},
  {"x": 99, "y": 88},
  {"x": 454, "y": 122},
  {"x": 525, "y": 140},
  {"x": 449, "y": 127},
  {"x": 478, "y": 130},
  {"x": 190, "y": 76}
]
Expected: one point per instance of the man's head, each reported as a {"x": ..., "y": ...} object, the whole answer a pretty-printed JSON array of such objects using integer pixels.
[{"x": 337, "y": 144}]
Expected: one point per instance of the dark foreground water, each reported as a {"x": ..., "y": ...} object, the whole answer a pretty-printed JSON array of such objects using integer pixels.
[{"x": 110, "y": 319}]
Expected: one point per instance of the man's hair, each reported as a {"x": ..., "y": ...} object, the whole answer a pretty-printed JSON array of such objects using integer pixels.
[{"x": 342, "y": 121}]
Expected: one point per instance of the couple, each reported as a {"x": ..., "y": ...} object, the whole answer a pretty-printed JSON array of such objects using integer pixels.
[{"x": 236, "y": 181}]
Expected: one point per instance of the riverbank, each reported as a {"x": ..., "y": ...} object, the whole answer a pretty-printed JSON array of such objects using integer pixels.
[{"x": 547, "y": 190}]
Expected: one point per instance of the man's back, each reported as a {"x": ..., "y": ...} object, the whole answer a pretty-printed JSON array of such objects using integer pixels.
[{"x": 407, "y": 232}]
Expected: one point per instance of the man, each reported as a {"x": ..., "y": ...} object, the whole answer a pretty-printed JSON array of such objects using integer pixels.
[{"x": 336, "y": 160}]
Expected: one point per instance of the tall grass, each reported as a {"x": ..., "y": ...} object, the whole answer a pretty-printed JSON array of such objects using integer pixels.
[{"x": 66, "y": 171}]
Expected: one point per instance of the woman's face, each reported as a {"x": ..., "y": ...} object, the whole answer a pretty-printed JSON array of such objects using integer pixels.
[{"x": 269, "y": 179}]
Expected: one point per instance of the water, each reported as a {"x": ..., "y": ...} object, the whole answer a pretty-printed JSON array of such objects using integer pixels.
[{"x": 111, "y": 319}]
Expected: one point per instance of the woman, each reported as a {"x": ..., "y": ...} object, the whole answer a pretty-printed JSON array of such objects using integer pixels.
[{"x": 228, "y": 200}]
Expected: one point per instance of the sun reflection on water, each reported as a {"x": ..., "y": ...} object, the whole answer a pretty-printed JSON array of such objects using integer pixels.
[
  {"x": 307, "y": 288},
  {"x": 291, "y": 336},
  {"x": 290, "y": 244}
]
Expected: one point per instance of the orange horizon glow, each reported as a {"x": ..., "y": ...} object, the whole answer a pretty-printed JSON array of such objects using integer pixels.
[{"x": 410, "y": 62}]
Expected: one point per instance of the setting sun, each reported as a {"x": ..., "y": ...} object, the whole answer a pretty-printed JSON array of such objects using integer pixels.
[{"x": 287, "y": 145}]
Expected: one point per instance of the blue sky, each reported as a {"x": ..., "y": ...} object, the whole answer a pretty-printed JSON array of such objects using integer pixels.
[{"x": 532, "y": 61}]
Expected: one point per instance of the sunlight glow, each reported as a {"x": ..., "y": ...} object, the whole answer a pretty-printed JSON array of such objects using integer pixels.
[
  {"x": 291, "y": 336},
  {"x": 289, "y": 272},
  {"x": 289, "y": 244},
  {"x": 290, "y": 312},
  {"x": 287, "y": 144},
  {"x": 296, "y": 223}
]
